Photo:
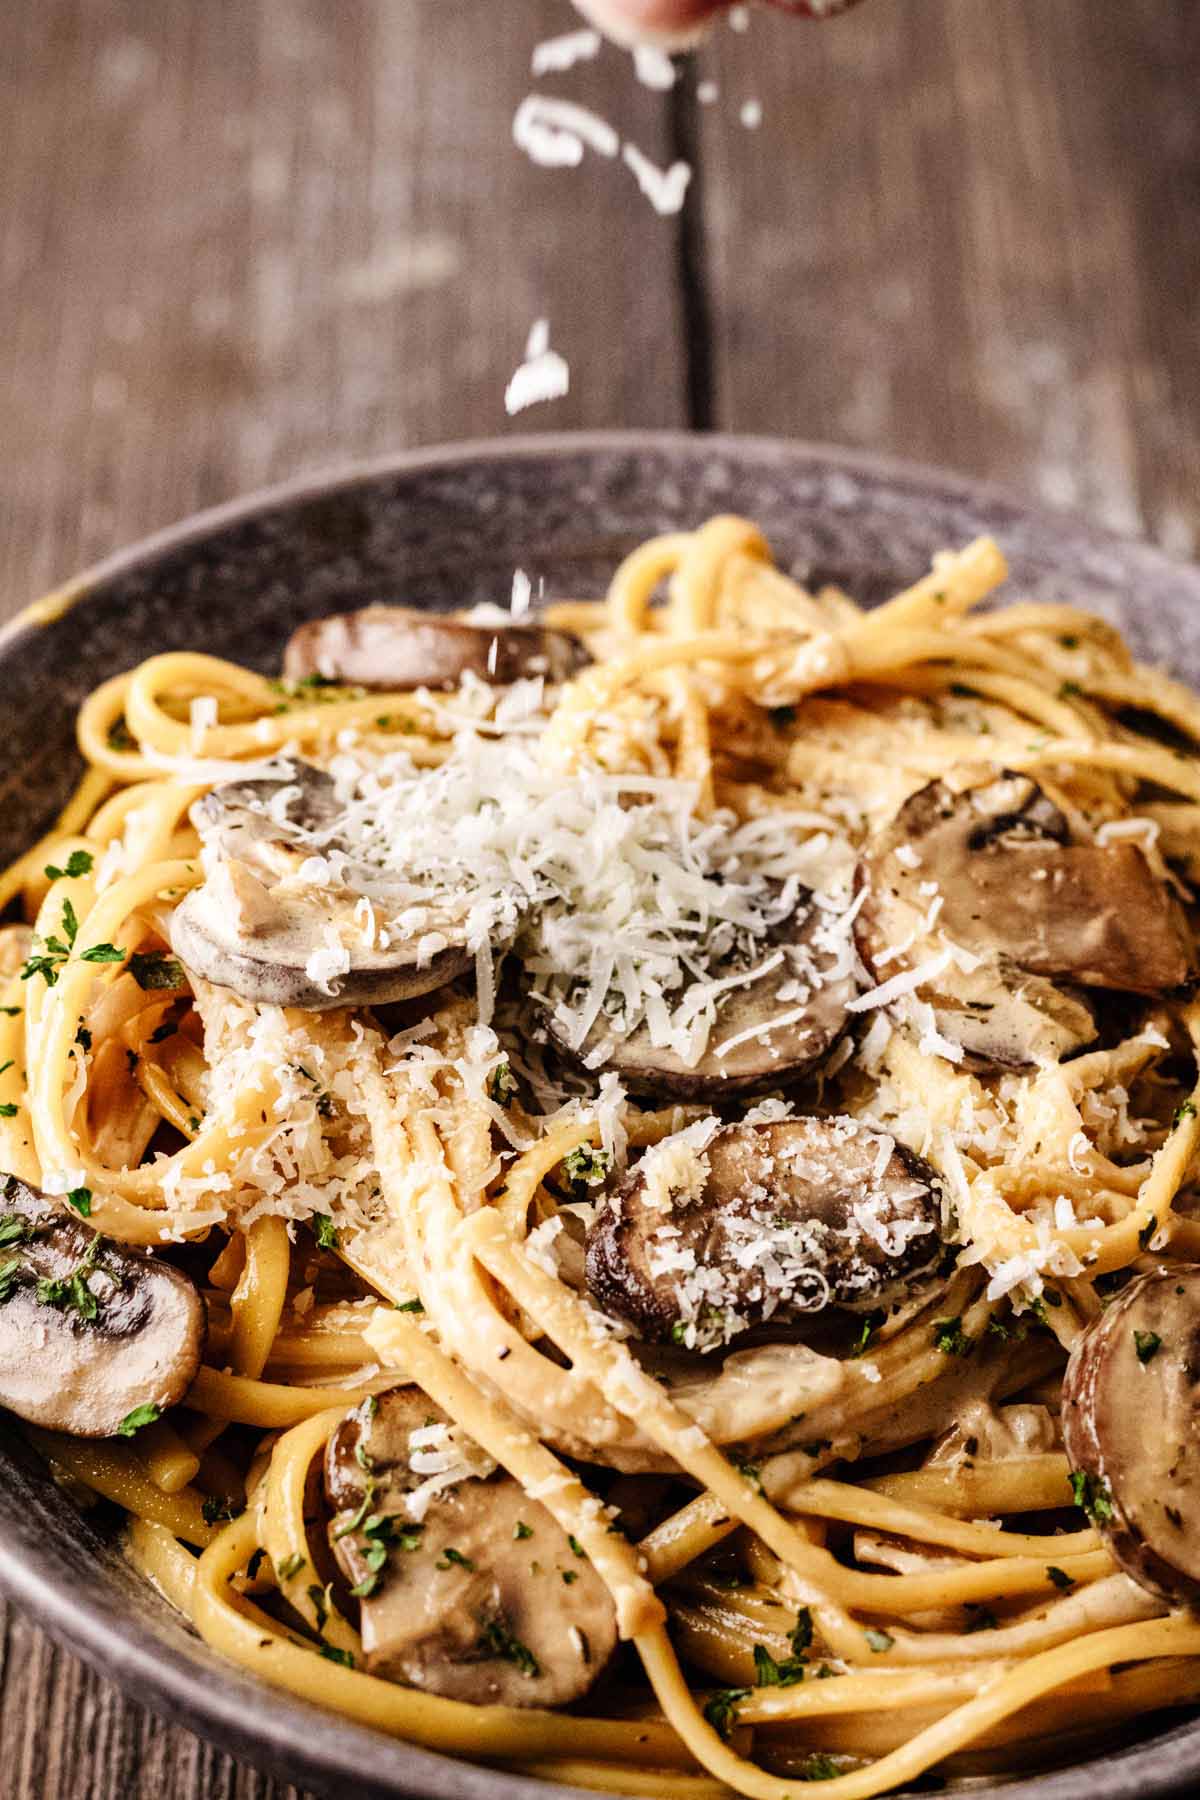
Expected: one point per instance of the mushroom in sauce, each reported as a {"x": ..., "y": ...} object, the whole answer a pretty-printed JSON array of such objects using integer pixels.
[
  {"x": 985, "y": 887},
  {"x": 1131, "y": 1426},
  {"x": 720, "y": 1228},
  {"x": 770, "y": 1028},
  {"x": 468, "y": 1588},
  {"x": 90, "y": 1330},
  {"x": 391, "y": 647},
  {"x": 258, "y": 927}
]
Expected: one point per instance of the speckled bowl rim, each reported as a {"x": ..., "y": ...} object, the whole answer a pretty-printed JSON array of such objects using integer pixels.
[{"x": 301, "y": 1742}]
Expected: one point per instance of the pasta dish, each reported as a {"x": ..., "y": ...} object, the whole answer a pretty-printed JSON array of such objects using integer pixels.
[{"x": 611, "y": 1186}]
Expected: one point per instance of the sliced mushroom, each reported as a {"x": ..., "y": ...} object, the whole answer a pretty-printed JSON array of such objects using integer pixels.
[
  {"x": 256, "y": 925},
  {"x": 468, "y": 1587},
  {"x": 89, "y": 1330},
  {"x": 769, "y": 1029},
  {"x": 398, "y": 647},
  {"x": 982, "y": 885},
  {"x": 720, "y": 1228},
  {"x": 1131, "y": 1425}
]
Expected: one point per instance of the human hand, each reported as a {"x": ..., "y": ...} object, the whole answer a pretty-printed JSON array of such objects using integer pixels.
[{"x": 677, "y": 22}]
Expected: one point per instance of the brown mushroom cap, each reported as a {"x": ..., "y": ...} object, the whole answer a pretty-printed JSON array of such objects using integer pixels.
[
  {"x": 243, "y": 930},
  {"x": 488, "y": 1602},
  {"x": 716, "y": 1230},
  {"x": 391, "y": 647},
  {"x": 990, "y": 869},
  {"x": 808, "y": 991},
  {"x": 1131, "y": 1426},
  {"x": 78, "y": 1374}
]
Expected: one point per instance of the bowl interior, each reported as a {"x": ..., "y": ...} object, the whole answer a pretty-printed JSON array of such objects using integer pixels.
[{"x": 443, "y": 530}]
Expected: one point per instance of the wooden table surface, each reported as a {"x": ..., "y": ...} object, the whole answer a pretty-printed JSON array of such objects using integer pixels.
[{"x": 247, "y": 238}]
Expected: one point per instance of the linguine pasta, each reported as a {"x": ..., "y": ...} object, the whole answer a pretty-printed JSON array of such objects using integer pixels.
[{"x": 846, "y": 1556}]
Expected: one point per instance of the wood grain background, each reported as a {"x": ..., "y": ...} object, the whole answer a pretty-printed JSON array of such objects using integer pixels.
[{"x": 246, "y": 238}]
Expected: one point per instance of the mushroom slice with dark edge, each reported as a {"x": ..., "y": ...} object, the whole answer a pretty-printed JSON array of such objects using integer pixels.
[
  {"x": 768, "y": 1031},
  {"x": 90, "y": 1330},
  {"x": 1131, "y": 1426},
  {"x": 481, "y": 1597},
  {"x": 989, "y": 872},
  {"x": 391, "y": 647},
  {"x": 254, "y": 927},
  {"x": 720, "y": 1228}
]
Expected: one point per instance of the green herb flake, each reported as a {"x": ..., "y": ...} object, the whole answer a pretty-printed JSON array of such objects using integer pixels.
[
  {"x": 950, "y": 1338},
  {"x": 153, "y": 969},
  {"x": 501, "y": 1084},
  {"x": 1147, "y": 1345},
  {"x": 1062, "y": 1581},
  {"x": 819, "y": 1767},
  {"x": 218, "y": 1512},
  {"x": 78, "y": 863},
  {"x": 586, "y": 1167},
  {"x": 769, "y": 1673},
  {"x": 576, "y": 1546},
  {"x": 135, "y": 1421},
  {"x": 326, "y": 1231},
  {"x": 879, "y": 1641},
  {"x": 102, "y": 953},
  {"x": 1185, "y": 1110},
  {"x": 14, "y": 1229},
  {"x": 332, "y": 1654},
  {"x": 1091, "y": 1495},
  {"x": 496, "y": 1639},
  {"x": 409, "y": 1306},
  {"x": 451, "y": 1555},
  {"x": 870, "y": 1326},
  {"x": 802, "y": 1634},
  {"x": 81, "y": 1199},
  {"x": 721, "y": 1709},
  {"x": 8, "y": 1109},
  {"x": 570, "y": 1576},
  {"x": 522, "y": 1530}
]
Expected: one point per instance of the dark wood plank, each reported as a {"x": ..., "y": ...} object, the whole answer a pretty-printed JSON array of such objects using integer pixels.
[
  {"x": 966, "y": 233},
  {"x": 243, "y": 241}
]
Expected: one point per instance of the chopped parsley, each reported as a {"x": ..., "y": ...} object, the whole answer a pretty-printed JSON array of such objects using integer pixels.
[
  {"x": 586, "y": 1167},
  {"x": 135, "y": 1421},
  {"x": 1091, "y": 1494},
  {"x": 576, "y": 1546},
  {"x": 569, "y": 1576},
  {"x": 879, "y": 1640},
  {"x": 102, "y": 953},
  {"x": 10, "y": 1275},
  {"x": 326, "y": 1231},
  {"x": 331, "y": 1653},
  {"x": 749, "y": 1472},
  {"x": 291, "y": 1566},
  {"x": 8, "y": 1109},
  {"x": 81, "y": 1199},
  {"x": 451, "y": 1555},
  {"x": 409, "y": 1306},
  {"x": 819, "y": 1767},
  {"x": 950, "y": 1338},
  {"x": 1185, "y": 1110},
  {"x": 802, "y": 1634},
  {"x": 870, "y": 1326},
  {"x": 721, "y": 1709},
  {"x": 1147, "y": 1344},
  {"x": 215, "y": 1511},
  {"x": 769, "y": 1673},
  {"x": 522, "y": 1530},
  {"x": 154, "y": 969},
  {"x": 496, "y": 1639},
  {"x": 1060, "y": 1578},
  {"x": 71, "y": 1292},
  {"x": 14, "y": 1229},
  {"x": 501, "y": 1084},
  {"x": 78, "y": 863}
]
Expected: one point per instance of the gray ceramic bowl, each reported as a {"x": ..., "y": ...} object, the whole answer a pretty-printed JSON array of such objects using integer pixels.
[{"x": 443, "y": 529}]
